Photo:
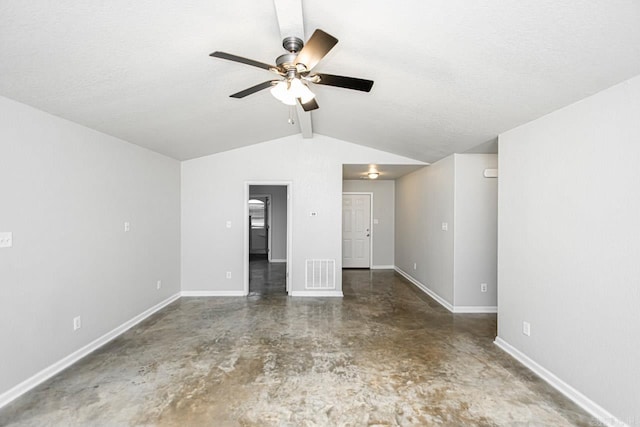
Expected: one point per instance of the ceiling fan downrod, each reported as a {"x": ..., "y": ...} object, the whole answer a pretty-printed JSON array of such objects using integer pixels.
[{"x": 287, "y": 61}]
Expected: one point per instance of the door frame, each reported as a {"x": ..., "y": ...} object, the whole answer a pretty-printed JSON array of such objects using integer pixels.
[
  {"x": 289, "y": 260},
  {"x": 360, "y": 193}
]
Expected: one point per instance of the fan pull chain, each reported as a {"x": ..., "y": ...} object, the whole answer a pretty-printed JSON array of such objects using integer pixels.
[{"x": 291, "y": 121}]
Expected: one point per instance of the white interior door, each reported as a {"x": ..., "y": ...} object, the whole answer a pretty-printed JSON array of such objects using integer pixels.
[{"x": 356, "y": 230}]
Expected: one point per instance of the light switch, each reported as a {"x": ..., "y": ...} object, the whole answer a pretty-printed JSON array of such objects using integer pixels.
[
  {"x": 445, "y": 226},
  {"x": 228, "y": 224},
  {"x": 127, "y": 227},
  {"x": 6, "y": 239}
]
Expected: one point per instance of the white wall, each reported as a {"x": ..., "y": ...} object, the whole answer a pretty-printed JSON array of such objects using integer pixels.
[
  {"x": 475, "y": 231},
  {"x": 450, "y": 264},
  {"x": 65, "y": 192},
  {"x": 213, "y": 193},
  {"x": 278, "y": 218},
  {"x": 569, "y": 245},
  {"x": 383, "y": 211},
  {"x": 424, "y": 200}
]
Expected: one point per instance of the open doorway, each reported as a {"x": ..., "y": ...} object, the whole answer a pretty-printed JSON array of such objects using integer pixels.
[{"x": 267, "y": 239}]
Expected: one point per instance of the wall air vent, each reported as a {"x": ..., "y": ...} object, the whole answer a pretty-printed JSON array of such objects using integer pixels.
[{"x": 320, "y": 274}]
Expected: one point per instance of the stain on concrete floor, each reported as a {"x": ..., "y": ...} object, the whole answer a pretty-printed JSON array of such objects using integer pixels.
[{"x": 384, "y": 355}]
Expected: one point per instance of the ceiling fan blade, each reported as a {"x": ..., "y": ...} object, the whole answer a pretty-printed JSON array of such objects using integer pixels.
[
  {"x": 345, "y": 82},
  {"x": 319, "y": 44},
  {"x": 309, "y": 105},
  {"x": 242, "y": 60},
  {"x": 253, "y": 89}
]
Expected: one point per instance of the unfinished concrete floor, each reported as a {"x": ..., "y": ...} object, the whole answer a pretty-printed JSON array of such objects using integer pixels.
[
  {"x": 383, "y": 355},
  {"x": 266, "y": 278}
]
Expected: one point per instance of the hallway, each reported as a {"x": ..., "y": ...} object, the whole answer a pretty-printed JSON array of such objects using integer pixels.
[
  {"x": 266, "y": 278},
  {"x": 385, "y": 354}
]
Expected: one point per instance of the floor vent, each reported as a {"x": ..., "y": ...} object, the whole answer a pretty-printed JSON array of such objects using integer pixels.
[{"x": 320, "y": 274}]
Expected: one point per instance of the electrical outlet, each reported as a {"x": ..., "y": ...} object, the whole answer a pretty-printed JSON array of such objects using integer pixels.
[
  {"x": 445, "y": 226},
  {"x": 158, "y": 284},
  {"x": 228, "y": 275},
  {"x": 127, "y": 227},
  {"x": 526, "y": 328},
  {"x": 415, "y": 265},
  {"x": 483, "y": 287},
  {"x": 77, "y": 323}
]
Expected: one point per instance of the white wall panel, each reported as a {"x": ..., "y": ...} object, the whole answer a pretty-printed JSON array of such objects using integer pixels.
[{"x": 568, "y": 245}]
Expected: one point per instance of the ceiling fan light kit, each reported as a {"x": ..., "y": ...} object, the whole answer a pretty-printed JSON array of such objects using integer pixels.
[
  {"x": 288, "y": 92},
  {"x": 294, "y": 68}
]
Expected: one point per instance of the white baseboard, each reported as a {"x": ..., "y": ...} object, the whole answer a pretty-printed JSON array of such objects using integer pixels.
[
  {"x": 458, "y": 309},
  {"x": 278, "y": 260},
  {"x": 213, "y": 294},
  {"x": 316, "y": 294},
  {"x": 69, "y": 360},
  {"x": 426, "y": 290},
  {"x": 383, "y": 267},
  {"x": 580, "y": 399},
  {"x": 489, "y": 309}
]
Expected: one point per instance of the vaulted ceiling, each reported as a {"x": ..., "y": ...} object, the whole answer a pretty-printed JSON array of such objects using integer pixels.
[{"x": 449, "y": 75}]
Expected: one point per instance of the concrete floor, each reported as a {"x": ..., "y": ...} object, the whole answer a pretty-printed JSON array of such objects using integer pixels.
[
  {"x": 383, "y": 355},
  {"x": 266, "y": 278}
]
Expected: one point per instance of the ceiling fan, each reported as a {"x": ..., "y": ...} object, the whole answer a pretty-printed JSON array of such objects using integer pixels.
[{"x": 295, "y": 68}]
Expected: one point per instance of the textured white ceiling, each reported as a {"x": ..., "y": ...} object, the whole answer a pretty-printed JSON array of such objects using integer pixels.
[{"x": 449, "y": 74}]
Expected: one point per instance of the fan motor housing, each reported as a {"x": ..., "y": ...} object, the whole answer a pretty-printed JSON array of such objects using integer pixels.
[
  {"x": 286, "y": 59},
  {"x": 286, "y": 63}
]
